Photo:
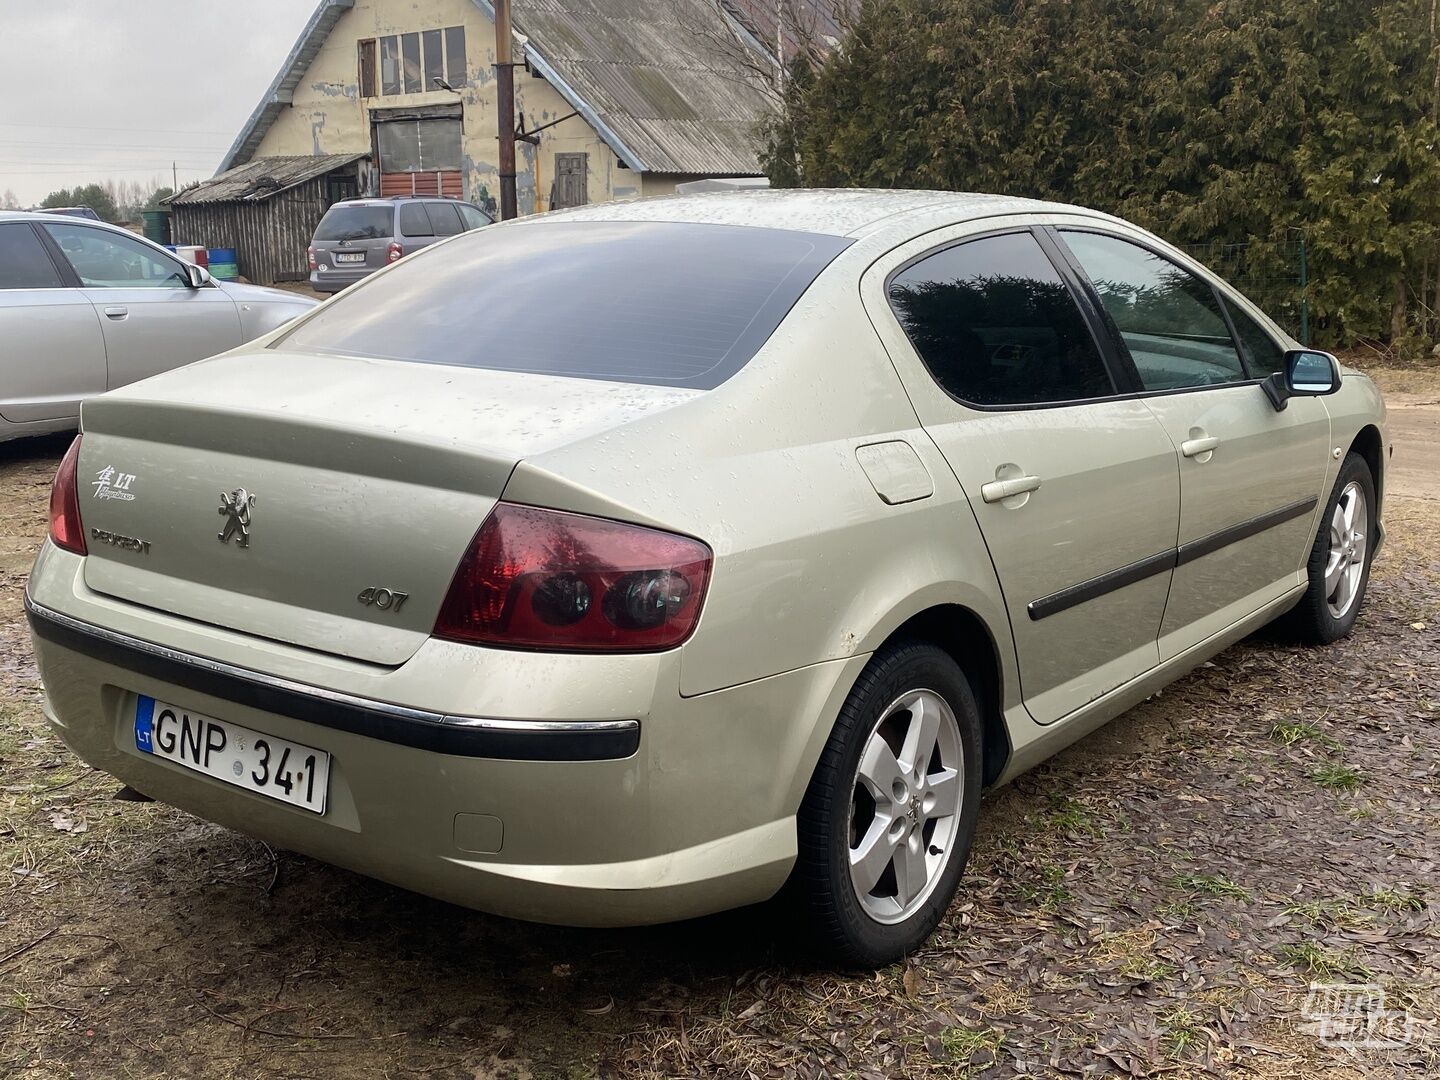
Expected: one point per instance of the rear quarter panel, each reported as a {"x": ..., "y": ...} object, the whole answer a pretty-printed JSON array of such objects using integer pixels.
[{"x": 810, "y": 563}]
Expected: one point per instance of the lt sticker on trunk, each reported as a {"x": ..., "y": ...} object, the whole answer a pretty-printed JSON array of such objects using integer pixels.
[{"x": 110, "y": 483}]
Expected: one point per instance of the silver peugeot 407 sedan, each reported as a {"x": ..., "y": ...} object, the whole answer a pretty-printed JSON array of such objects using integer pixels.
[
  {"x": 622, "y": 565},
  {"x": 86, "y": 307}
]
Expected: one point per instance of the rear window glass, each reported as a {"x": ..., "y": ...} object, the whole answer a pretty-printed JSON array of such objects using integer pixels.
[
  {"x": 356, "y": 223},
  {"x": 628, "y": 301}
]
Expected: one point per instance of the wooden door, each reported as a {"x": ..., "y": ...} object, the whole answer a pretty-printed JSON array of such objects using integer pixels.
[{"x": 571, "y": 185}]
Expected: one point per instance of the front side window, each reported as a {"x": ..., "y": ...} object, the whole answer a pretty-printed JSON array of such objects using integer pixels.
[
  {"x": 1169, "y": 319},
  {"x": 107, "y": 260},
  {"x": 996, "y": 325},
  {"x": 23, "y": 261},
  {"x": 1262, "y": 353},
  {"x": 560, "y": 298}
]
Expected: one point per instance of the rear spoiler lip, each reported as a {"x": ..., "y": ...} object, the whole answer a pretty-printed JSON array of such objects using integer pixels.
[{"x": 441, "y": 733}]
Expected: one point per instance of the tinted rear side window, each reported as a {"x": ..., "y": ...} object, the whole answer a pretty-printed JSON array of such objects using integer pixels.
[
  {"x": 443, "y": 218},
  {"x": 356, "y": 223},
  {"x": 996, "y": 325},
  {"x": 629, "y": 301},
  {"x": 414, "y": 221},
  {"x": 23, "y": 261}
]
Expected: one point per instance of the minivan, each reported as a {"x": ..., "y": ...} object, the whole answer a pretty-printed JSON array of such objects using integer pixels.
[{"x": 359, "y": 236}]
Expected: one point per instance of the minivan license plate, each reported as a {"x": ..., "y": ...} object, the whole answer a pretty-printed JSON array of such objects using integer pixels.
[
  {"x": 276, "y": 768},
  {"x": 349, "y": 256}
]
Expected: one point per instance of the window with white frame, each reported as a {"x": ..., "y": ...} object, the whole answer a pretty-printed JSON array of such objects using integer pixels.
[{"x": 412, "y": 63}]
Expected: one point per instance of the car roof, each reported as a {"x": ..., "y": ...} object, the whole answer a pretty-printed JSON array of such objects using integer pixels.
[
  {"x": 49, "y": 219},
  {"x": 839, "y": 212},
  {"x": 394, "y": 200}
]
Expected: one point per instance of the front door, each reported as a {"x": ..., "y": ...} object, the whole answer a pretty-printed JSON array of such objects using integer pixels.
[
  {"x": 572, "y": 187},
  {"x": 53, "y": 355},
  {"x": 1250, "y": 478},
  {"x": 1076, "y": 492},
  {"x": 152, "y": 320}
]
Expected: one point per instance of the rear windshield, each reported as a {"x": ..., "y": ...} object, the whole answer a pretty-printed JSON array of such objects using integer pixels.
[
  {"x": 628, "y": 301},
  {"x": 356, "y": 223}
]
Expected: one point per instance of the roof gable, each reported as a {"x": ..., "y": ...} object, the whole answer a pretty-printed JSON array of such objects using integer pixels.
[{"x": 673, "y": 86}]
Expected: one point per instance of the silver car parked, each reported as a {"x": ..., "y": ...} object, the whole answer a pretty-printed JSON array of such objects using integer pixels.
[
  {"x": 625, "y": 564},
  {"x": 359, "y": 236},
  {"x": 86, "y": 307}
]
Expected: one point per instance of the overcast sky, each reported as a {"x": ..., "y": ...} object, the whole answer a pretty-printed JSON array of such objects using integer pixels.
[{"x": 118, "y": 89}]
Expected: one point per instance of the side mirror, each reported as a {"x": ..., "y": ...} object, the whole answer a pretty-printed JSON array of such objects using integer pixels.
[
  {"x": 197, "y": 277},
  {"x": 1308, "y": 373}
]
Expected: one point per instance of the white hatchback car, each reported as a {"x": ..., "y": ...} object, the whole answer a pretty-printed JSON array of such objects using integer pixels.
[
  {"x": 617, "y": 566},
  {"x": 86, "y": 307}
]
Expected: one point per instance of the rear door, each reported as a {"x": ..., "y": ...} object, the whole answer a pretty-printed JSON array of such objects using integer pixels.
[
  {"x": 1075, "y": 491},
  {"x": 151, "y": 318},
  {"x": 1250, "y": 477},
  {"x": 416, "y": 229},
  {"x": 53, "y": 352}
]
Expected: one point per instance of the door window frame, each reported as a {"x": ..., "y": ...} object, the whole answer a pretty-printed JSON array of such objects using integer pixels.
[
  {"x": 1099, "y": 334},
  {"x": 58, "y": 253},
  {"x": 63, "y": 270},
  {"x": 1222, "y": 298}
]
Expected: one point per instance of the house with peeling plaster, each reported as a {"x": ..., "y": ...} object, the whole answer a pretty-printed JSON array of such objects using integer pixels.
[{"x": 615, "y": 99}]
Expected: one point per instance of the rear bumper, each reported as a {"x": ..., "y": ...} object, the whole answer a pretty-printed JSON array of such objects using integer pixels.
[
  {"x": 332, "y": 281},
  {"x": 588, "y": 792},
  {"x": 465, "y": 736}
]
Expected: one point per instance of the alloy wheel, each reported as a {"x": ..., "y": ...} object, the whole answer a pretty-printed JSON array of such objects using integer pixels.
[
  {"x": 905, "y": 804},
  {"x": 1349, "y": 541}
]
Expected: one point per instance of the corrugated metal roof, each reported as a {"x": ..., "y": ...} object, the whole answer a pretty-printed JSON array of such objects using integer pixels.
[
  {"x": 262, "y": 178},
  {"x": 674, "y": 86},
  {"x": 671, "y": 82}
]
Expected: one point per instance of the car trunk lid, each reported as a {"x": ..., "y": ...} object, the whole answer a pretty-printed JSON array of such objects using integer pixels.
[{"x": 270, "y": 490}]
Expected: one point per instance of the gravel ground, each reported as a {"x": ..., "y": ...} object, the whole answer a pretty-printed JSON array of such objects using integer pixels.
[{"x": 1156, "y": 901}]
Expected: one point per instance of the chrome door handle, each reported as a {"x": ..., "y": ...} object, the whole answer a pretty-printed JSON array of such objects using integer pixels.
[
  {"x": 1002, "y": 489},
  {"x": 1195, "y": 447},
  {"x": 116, "y": 312}
]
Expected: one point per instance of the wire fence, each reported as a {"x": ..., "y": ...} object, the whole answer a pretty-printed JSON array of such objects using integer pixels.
[{"x": 1273, "y": 275}]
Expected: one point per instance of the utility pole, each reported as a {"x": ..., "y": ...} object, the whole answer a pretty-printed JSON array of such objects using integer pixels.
[
  {"x": 505, "y": 103},
  {"x": 174, "y": 177}
]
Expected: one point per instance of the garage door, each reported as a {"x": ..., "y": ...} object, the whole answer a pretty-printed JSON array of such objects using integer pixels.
[{"x": 420, "y": 157}]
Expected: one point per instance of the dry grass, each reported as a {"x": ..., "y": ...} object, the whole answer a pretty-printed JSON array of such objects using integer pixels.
[{"x": 1155, "y": 901}]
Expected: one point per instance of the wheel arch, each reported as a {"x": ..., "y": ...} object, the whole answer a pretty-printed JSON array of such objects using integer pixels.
[
  {"x": 964, "y": 635},
  {"x": 1369, "y": 444}
]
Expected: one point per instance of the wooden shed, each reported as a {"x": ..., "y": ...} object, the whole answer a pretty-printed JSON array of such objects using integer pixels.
[{"x": 267, "y": 210}]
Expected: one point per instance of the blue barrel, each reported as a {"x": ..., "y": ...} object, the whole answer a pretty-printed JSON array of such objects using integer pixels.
[{"x": 222, "y": 264}]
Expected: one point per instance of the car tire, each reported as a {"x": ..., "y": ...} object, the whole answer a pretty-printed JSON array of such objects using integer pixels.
[
  {"x": 913, "y": 701},
  {"x": 1339, "y": 565}
]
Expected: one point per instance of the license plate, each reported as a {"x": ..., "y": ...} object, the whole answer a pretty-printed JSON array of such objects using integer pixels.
[
  {"x": 349, "y": 257},
  {"x": 277, "y": 768}
]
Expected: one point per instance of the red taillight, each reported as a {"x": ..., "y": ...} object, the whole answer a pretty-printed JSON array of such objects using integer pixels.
[
  {"x": 310, "y": 254},
  {"x": 393, "y": 252},
  {"x": 65, "y": 528},
  {"x": 543, "y": 579}
]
